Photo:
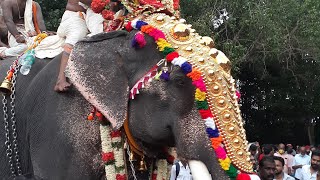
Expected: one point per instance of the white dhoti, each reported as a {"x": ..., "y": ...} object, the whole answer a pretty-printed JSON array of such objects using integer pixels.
[
  {"x": 15, "y": 48},
  {"x": 72, "y": 27},
  {"x": 94, "y": 22}
]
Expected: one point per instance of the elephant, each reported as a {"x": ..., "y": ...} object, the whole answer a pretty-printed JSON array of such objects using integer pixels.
[{"x": 55, "y": 140}]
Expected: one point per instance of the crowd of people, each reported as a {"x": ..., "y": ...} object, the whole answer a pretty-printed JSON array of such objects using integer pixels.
[{"x": 284, "y": 162}]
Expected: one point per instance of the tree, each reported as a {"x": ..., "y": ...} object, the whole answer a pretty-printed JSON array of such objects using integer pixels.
[
  {"x": 52, "y": 12},
  {"x": 274, "y": 47}
]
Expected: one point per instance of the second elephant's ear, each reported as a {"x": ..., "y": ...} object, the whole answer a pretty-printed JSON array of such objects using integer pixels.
[{"x": 98, "y": 73}]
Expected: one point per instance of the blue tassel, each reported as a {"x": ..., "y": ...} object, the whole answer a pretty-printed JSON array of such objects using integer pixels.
[
  {"x": 165, "y": 76},
  {"x": 134, "y": 43},
  {"x": 212, "y": 133},
  {"x": 140, "y": 24},
  {"x": 186, "y": 68}
]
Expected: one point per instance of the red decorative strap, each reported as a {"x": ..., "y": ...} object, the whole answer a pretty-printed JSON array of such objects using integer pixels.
[{"x": 145, "y": 79}]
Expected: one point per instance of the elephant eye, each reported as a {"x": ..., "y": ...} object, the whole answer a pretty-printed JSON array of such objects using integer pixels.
[{"x": 180, "y": 82}]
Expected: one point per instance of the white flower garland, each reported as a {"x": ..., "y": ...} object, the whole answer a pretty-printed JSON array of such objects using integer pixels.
[
  {"x": 162, "y": 172},
  {"x": 106, "y": 143}
]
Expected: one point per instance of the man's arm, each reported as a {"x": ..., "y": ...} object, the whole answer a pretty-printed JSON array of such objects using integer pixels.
[
  {"x": 40, "y": 19},
  {"x": 8, "y": 18},
  {"x": 86, "y": 2}
]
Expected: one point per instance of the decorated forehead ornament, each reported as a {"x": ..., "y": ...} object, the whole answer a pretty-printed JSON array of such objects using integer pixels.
[
  {"x": 216, "y": 97},
  {"x": 139, "y": 7}
]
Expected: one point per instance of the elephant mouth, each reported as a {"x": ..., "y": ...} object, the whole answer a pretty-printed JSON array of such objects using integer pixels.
[{"x": 215, "y": 95}]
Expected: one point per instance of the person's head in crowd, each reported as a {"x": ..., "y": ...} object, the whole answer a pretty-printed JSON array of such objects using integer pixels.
[
  {"x": 253, "y": 149},
  {"x": 281, "y": 148},
  {"x": 279, "y": 161},
  {"x": 254, "y": 162},
  {"x": 302, "y": 150},
  {"x": 313, "y": 148},
  {"x": 289, "y": 150},
  {"x": 315, "y": 160},
  {"x": 307, "y": 150},
  {"x": 267, "y": 168},
  {"x": 268, "y": 150}
]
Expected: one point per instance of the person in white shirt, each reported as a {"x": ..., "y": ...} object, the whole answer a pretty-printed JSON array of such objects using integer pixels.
[
  {"x": 300, "y": 160},
  {"x": 279, "y": 173},
  {"x": 310, "y": 172},
  {"x": 181, "y": 170}
]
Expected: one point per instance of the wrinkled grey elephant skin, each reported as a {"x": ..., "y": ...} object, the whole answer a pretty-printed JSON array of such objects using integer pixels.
[{"x": 57, "y": 142}]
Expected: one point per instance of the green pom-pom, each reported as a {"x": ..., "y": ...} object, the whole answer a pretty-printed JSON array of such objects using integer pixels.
[
  {"x": 232, "y": 172},
  {"x": 202, "y": 105},
  {"x": 167, "y": 50}
]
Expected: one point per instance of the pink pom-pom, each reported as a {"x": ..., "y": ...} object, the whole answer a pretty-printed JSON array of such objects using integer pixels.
[
  {"x": 221, "y": 153},
  {"x": 200, "y": 84},
  {"x": 157, "y": 34},
  {"x": 238, "y": 95},
  {"x": 140, "y": 40}
]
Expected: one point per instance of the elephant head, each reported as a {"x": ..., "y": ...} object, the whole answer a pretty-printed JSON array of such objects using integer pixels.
[{"x": 106, "y": 67}]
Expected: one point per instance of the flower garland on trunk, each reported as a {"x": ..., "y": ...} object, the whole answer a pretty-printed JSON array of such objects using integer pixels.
[
  {"x": 112, "y": 153},
  {"x": 200, "y": 95}
]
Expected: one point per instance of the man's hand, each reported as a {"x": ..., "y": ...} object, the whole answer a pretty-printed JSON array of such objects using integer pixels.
[
  {"x": 51, "y": 33},
  {"x": 32, "y": 33},
  {"x": 20, "y": 39}
]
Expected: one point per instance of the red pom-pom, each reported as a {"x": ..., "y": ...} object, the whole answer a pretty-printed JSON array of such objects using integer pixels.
[
  {"x": 90, "y": 117},
  {"x": 243, "y": 176},
  {"x": 171, "y": 56},
  {"x": 129, "y": 27},
  {"x": 205, "y": 113},
  {"x": 121, "y": 177},
  {"x": 98, "y": 6},
  {"x": 115, "y": 134},
  {"x": 107, "y": 14}
]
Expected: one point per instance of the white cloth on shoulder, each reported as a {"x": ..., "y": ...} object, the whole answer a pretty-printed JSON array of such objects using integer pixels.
[
  {"x": 72, "y": 27},
  {"x": 94, "y": 22}
]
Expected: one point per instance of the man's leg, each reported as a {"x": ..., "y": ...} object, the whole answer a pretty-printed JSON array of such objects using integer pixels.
[{"x": 62, "y": 84}]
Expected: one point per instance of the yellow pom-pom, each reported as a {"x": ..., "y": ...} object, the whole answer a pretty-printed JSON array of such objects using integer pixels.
[
  {"x": 200, "y": 96},
  {"x": 225, "y": 164},
  {"x": 162, "y": 43}
]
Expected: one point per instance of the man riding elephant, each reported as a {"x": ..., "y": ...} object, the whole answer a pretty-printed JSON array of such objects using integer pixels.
[
  {"x": 24, "y": 20},
  {"x": 193, "y": 106}
]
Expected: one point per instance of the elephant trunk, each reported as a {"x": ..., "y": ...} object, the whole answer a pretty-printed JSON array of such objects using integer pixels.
[{"x": 193, "y": 143}]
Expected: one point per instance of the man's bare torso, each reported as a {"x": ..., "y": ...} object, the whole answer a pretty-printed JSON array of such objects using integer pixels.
[
  {"x": 17, "y": 7},
  {"x": 73, "y": 5}
]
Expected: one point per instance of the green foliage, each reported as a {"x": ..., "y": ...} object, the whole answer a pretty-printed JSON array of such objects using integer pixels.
[
  {"x": 52, "y": 12},
  {"x": 275, "y": 50}
]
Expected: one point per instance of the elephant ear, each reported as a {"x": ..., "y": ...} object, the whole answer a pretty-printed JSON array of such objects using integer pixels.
[{"x": 96, "y": 70}]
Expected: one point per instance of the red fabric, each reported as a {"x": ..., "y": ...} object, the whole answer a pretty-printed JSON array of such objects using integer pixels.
[
  {"x": 260, "y": 157},
  {"x": 129, "y": 27},
  {"x": 205, "y": 113},
  {"x": 243, "y": 176},
  {"x": 154, "y": 3},
  {"x": 171, "y": 56}
]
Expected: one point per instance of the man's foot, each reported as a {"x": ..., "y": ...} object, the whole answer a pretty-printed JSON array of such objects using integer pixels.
[
  {"x": 2, "y": 56},
  {"x": 62, "y": 85}
]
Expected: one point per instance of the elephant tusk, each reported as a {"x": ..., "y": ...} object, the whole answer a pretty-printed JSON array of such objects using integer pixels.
[{"x": 199, "y": 170}]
